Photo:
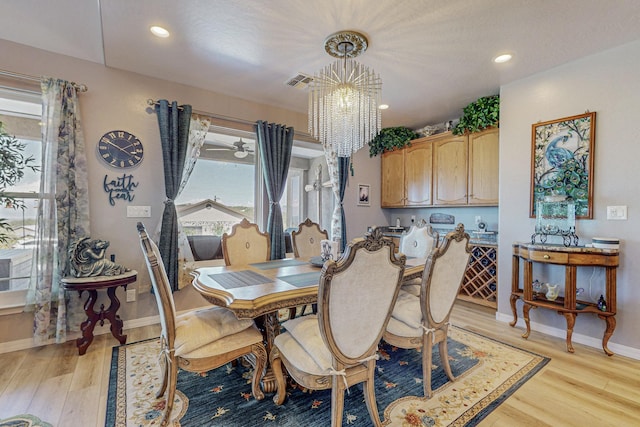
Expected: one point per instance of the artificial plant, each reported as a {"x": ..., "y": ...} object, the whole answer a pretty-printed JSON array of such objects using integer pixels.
[
  {"x": 391, "y": 139},
  {"x": 479, "y": 115}
]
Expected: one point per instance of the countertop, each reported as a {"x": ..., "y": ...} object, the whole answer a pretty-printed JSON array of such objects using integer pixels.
[{"x": 477, "y": 238}]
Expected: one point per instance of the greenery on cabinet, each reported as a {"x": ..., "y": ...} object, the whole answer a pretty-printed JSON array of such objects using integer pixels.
[
  {"x": 389, "y": 139},
  {"x": 13, "y": 163},
  {"x": 479, "y": 115}
]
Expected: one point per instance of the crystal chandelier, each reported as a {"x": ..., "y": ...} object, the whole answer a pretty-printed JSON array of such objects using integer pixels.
[{"x": 344, "y": 97}]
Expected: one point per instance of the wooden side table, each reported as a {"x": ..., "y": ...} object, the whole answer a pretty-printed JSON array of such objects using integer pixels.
[
  {"x": 92, "y": 285},
  {"x": 569, "y": 306}
]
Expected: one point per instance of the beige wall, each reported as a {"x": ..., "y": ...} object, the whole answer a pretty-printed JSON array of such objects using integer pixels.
[{"x": 608, "y": 84}]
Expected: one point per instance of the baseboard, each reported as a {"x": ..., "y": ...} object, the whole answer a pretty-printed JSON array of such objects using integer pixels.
[{"x": 622, "y": 350}]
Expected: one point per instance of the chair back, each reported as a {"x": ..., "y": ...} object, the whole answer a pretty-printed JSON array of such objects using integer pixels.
[
  {"x": 245, "y": 244},
  {"x": 444, "y": 272},
  {"x": 161, "y": 286},
  {"x": 356, "y": 296},
  {"x": 418, "y": 241},
  {"x": 306, "y": 240}
]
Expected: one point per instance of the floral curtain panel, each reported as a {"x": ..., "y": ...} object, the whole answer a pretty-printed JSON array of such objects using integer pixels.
[
  {"x": 63, "y": 213},
  {"x": 338, "y": 185}
]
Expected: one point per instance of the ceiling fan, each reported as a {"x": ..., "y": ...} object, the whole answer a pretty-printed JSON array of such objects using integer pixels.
[{"x": 240, "y": 149}]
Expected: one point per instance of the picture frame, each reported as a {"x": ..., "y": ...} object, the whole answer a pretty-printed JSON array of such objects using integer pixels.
[
  {"x": 562, "y": 156},
  {"x": 363, "y": 195}
]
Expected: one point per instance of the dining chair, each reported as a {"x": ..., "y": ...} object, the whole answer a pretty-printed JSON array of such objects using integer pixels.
[
  {"x": 245, "y": 244},
  {"x": 306, "y": 240},
  {"x": 337, "y": 348},
  {"x": 199, "y": 340},
  {"x": 418, "y": 242},
  {"x": 422, "y": 321}
]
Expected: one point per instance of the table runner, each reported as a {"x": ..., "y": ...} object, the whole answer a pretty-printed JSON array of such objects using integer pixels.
[
  {"x": 277, "y": 263},
  {"x": 238, "y": 279},
  {"x": 302, "y": 279}
]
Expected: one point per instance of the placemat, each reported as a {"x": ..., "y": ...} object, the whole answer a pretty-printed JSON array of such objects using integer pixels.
[
  {"x": 277, "y": 263},
  {"x": 238, "y": 279},
  {"x": 302, "y": 279}
]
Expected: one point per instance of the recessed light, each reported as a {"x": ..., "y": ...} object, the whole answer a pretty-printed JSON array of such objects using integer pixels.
[
  {"x": 502, "y": 58},
  {"x": 159, "y": 31},
  {"x": 383, "y": 106}
]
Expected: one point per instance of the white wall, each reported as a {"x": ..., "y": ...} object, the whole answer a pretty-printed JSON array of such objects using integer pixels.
[{"x": 608, "y": 84}]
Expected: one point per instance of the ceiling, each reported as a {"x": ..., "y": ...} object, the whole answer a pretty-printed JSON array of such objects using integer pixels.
[{"x": 434, "y": 56}]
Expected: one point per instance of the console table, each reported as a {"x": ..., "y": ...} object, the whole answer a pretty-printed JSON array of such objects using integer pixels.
[
  {"x": 569, "y": 306},
  {"x": 92, "y": 285}
]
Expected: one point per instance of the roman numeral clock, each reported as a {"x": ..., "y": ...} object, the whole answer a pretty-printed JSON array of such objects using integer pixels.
[{"x": 120, "y": 149}]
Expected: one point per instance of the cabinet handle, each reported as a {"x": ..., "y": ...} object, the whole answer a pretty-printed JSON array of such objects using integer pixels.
[{"x": 546, "y": 257}]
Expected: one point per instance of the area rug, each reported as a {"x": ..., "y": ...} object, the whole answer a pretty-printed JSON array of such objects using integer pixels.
[
  {"x": 487, "y": 373},
  {"x": 23, "y": 420}
]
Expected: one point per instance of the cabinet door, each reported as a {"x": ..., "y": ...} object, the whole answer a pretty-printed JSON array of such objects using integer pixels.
[
  {"x": 417, "y": 173},
  {"x": 450, "y": 170},
  {"x": 483, "y": 167},
  {"x": 392, "y": 173}
]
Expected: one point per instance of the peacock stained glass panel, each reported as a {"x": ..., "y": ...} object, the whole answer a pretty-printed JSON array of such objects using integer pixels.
[{"x": 562, "y": 162}]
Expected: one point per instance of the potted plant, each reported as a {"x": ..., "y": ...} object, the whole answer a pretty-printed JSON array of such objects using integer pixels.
[
  {"x": 391, "y": 139},
  {"x": 479, "y": 115},
  {"x": 13, "y": 163}
]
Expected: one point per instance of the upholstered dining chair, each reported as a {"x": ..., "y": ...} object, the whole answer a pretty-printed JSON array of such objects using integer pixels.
[
  {"x": 306, "y": 240},
  {"x": 423, "y": 321},
  {"x": 200, "y": 340},
  {"x": 245, "y": 244},
  {"x": 418, "y": 242},
  {"x": 338, "y": 347}
]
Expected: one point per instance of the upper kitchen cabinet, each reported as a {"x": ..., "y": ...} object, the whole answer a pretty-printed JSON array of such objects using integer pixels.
[
  {"x": 483, "y": 167},
  {"x": 392, "y": 183},
  {"x": 406, "y": 175},
  {"x": 450, "y": 169}
]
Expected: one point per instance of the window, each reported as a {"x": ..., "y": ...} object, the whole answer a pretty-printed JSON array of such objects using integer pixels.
[
  {"x": 223, "y": 185},
  {"x": 20, "y": 113}
]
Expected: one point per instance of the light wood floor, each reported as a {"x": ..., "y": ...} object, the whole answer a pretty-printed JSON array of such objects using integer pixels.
[{"x": 582, "y": 389}]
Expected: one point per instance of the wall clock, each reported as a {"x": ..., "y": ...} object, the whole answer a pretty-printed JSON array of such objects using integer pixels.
[{"x": 120, "y": 149}]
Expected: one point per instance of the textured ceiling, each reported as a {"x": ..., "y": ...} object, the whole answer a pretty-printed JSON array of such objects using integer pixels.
[{"x": 434, "y": 56}]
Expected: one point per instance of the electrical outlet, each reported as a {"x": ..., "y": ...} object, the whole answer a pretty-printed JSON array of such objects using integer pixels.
[
  {"x": 413, "y": 219},
  {"x": 131, "y": 295}
]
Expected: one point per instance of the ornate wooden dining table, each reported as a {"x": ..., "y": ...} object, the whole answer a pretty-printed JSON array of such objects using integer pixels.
[{"x": 258, "y": 291}]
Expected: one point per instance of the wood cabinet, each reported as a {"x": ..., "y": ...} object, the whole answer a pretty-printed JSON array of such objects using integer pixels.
[
  {"x": 406, "y": 176},
  {"x": 443, "y": 169},
  {"x": 392, "y": 184},
  {"x": 450, "y": 170},
  {"x": 568, "y": 305},
  {"x": 483, "y": 167}
]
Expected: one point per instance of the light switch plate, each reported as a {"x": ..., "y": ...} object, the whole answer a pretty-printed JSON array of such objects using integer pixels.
[
  {"x": 617, "y": 212},
  {"x": 138, "y": 211},
  {"x": 131, "y": 295}
]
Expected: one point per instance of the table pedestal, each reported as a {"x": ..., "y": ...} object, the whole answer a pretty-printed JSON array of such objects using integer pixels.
[{"x": 92, "y": 285}]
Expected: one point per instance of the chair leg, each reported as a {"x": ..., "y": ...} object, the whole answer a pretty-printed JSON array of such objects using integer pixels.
[
  {"x": 276, "y": 367},
  {"x": 260, "y": 354},
  {"x": 370, "y": 397},
  {"x": 427, "y": 361},
  {"x": 444, "y": 356},
  {"x": 164, "y": 366},
  {"x": 337, "y": 401},
  {"x": 171, "y": 392}
]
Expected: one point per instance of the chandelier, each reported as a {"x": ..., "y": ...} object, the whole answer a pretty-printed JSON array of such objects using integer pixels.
[{"x": 344, "y": 97}]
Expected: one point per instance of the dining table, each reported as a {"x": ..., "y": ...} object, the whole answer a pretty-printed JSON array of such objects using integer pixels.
[{"x": 260, "y": 290}]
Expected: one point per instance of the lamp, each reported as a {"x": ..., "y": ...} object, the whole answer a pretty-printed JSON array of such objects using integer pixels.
[{"x": 344, "y": 97}]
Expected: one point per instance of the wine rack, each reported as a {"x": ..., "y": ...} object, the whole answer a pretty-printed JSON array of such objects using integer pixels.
[{"x": 480, "y": 283}]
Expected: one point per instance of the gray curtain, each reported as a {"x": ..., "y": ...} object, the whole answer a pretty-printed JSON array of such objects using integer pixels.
[
  {"x": 275, "y": 143},
  {"x": 173, "y": 121},
  {"x": 343, "y": 176}
]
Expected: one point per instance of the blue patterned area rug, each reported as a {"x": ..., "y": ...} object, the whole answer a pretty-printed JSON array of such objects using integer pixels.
[
  {"x": 24, "y": 420},
  {"x": 487, "y": 372}
]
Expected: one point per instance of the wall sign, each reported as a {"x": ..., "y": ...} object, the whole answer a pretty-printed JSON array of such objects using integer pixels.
[{"x": 120, "y": 188}]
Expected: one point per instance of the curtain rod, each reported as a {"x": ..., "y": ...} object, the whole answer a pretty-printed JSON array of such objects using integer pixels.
[
  {"x": 79, "y": 87},
  {"x": 302, "y": 135}
]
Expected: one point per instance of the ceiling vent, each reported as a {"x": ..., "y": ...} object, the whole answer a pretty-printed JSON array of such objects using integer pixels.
[{"x": 299, "y": 81}]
